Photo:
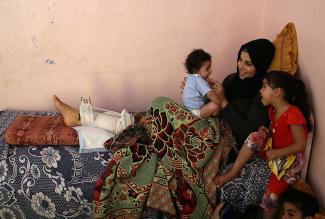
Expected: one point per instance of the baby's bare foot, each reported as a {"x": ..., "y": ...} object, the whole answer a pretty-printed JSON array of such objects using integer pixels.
[{"x": 70, "y": 115}]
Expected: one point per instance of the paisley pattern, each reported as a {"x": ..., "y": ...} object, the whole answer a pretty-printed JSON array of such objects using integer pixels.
[{"x": 46, "y": 181}]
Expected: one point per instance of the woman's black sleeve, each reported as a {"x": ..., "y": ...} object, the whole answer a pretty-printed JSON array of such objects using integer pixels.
[{"x": 243, "y": 126}]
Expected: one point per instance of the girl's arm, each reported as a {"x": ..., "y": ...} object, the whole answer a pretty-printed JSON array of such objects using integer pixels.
[{"x": 299, "y": 143}]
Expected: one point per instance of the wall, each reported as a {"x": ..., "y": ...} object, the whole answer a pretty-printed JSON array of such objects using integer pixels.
[
  {"x": 308, "y": 17},
  {"x": 121, "y": 53}
]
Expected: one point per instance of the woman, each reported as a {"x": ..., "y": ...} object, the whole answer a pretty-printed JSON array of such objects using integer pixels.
[
  {"x": 169, "y": 160},
  {"x": 243, "y": 111},
  {"x": 239, "y": 92}
]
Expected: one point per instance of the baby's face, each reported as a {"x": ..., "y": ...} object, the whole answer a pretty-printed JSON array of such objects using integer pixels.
[{"x": 205, "y": 70}]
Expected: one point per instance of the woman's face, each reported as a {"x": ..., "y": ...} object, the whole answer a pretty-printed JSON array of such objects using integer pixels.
[
  {"x": 291, "y": 212},
  {"x": 245, "y": 66}
]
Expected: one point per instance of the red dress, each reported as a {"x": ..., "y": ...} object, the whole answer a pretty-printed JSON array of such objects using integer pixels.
[
  {"x": 281, "y": 133},
  {"x": 281, "y": 138}
]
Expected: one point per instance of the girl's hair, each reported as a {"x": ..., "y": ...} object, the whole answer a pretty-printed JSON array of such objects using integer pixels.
[
  {"x": 294, "y": 90},
  {"x": 195, "y": 60},
  {"x": 305, "y": 202}
]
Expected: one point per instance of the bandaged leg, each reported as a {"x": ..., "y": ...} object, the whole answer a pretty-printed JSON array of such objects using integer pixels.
[
  {"x": 86, "y": 112},
  {"x": 111, "y": 121}
]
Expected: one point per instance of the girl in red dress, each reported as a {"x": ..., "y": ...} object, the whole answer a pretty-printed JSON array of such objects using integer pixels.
[{"x": 284, "y": 143}]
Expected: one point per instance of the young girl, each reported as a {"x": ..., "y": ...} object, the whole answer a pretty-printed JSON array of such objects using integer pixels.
[
  {"x": 198, "y": 96},
  {"x": 288, "y": 131}
]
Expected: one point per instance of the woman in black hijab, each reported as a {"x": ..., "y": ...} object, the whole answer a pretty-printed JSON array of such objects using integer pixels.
[
  {"x": 244, "y": 113},
  {"x": 239, "y": 92}
]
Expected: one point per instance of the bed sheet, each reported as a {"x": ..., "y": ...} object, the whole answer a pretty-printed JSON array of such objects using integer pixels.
[{"x": 46, "y": 181}]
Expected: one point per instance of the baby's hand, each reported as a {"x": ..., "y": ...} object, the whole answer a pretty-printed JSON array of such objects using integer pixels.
[{"x": 212, "y": 81}]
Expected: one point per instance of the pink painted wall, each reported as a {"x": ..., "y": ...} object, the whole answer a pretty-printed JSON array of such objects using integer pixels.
[
  {"x": 308, "y": 17},
  {"x": 121, "y": 53}
]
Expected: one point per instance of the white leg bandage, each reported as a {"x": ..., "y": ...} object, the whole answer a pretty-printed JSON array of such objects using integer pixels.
[
  {"x": 86, "y": 112},
  {"x": 111, "y": 121}
]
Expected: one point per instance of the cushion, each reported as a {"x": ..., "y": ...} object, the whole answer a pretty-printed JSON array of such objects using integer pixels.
[
  {"x": 286, "y": 50},
  {"x": 40, "y": 130},
  {"x": 92, "y": 139}
]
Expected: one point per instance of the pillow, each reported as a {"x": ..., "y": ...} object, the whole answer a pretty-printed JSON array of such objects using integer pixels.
[
  {"x": 40, "y": 130},
  {"x": 286, "y": 50},
  {"x": 92, "y": 139}
]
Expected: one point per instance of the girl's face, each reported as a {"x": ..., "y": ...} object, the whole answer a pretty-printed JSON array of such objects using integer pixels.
[
  {"x": 291, "y": 212},
  {"x": 245, "y": 66},
  {"x": 205, "y": 70},
  {"x": 267, "y": 93}
]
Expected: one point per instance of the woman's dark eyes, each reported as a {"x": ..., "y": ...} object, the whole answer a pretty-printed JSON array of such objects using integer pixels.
[{"x": 247, "y": 63}]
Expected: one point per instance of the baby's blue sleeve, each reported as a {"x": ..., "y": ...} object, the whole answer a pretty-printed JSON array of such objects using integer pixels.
[{"x": 202, "y": 86}]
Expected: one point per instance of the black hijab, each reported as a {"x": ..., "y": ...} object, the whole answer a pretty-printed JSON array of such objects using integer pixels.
[{"x": 261, "y": 52}]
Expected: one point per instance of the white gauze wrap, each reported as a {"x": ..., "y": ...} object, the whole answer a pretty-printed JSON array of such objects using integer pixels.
[{"x": 111, "y": 121}]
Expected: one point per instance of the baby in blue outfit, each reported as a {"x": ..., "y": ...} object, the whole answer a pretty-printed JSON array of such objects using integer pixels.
[{"x": 198, "y": 96}]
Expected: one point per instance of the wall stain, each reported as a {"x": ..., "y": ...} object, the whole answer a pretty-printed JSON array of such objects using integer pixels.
[
  {"x": 34, "y": 40},
  {"x": 50, "y": 61}
]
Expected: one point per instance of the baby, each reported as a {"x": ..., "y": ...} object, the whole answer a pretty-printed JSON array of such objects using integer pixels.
[{"x": 198, "y": 96}]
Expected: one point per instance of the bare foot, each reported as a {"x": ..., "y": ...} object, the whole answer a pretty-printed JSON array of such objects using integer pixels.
[{"x": 70, "y": 115}]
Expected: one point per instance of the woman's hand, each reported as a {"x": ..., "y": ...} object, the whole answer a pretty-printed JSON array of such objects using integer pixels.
[
  {"x": 182, "y": 84},
  {"x": 218, "y": 88}
]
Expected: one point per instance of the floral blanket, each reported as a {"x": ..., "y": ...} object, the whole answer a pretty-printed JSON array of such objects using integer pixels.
[{"x": 166, "y": 162}]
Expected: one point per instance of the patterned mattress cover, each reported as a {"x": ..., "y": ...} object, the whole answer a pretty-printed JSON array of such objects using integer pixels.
[{"x": 46, "y": 181}]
